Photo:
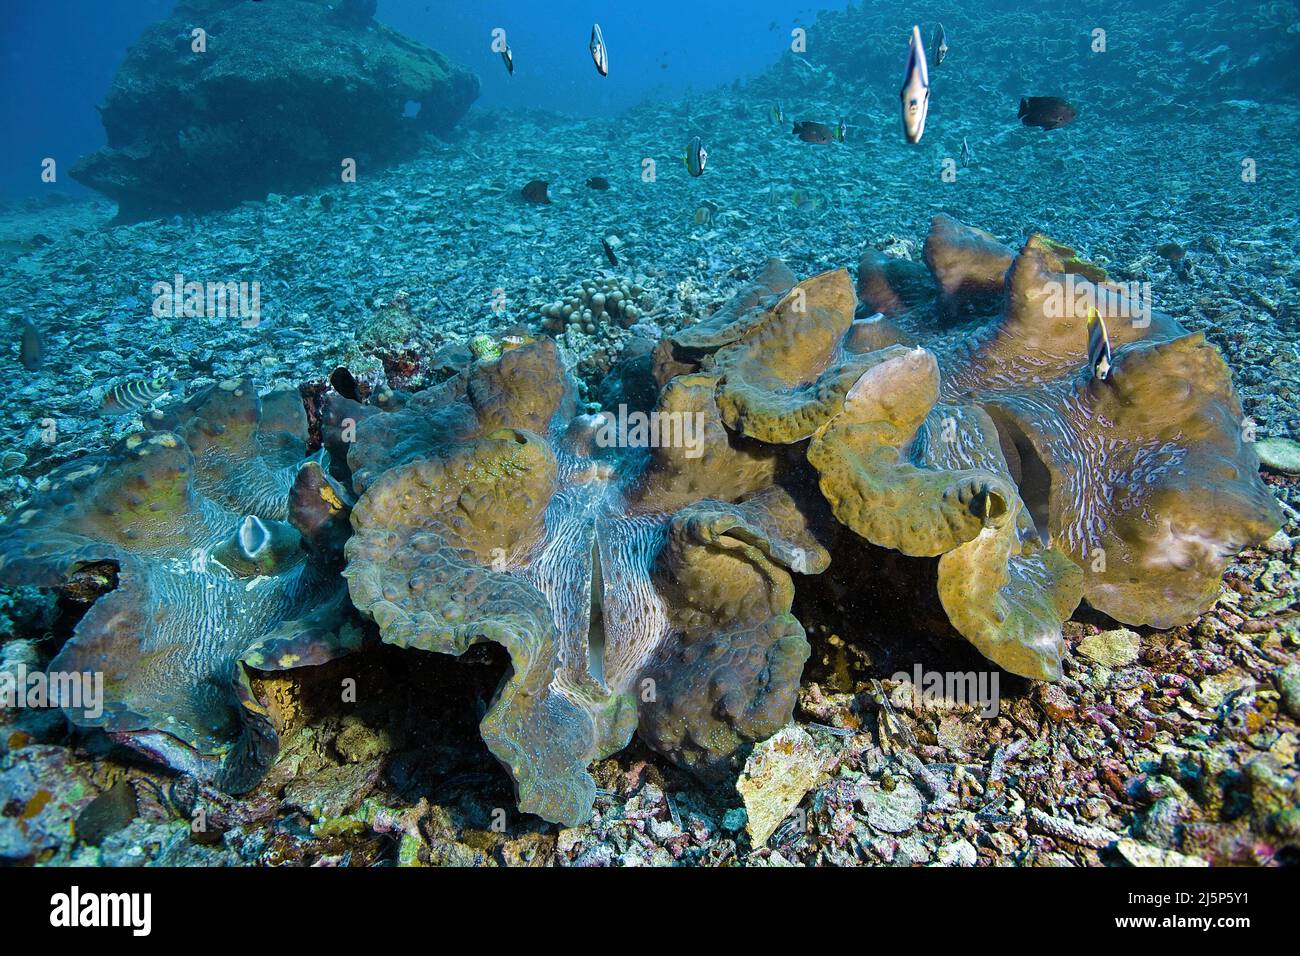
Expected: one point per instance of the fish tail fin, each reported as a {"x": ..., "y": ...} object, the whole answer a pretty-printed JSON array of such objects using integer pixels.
[{"x": 1024, "y": 108}]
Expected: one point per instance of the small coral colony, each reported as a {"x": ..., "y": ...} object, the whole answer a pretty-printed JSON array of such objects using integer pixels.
[{"x": 1061, "y": 454}]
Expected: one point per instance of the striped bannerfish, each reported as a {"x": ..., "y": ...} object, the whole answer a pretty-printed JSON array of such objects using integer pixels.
[
  {"x": 696, "y": 156},
  {"x": 599, "y": 55},
  {"x": 1098, "y": 345},
  {"x": 915, "y": 93},
  {"x": 126, "y": 398}
]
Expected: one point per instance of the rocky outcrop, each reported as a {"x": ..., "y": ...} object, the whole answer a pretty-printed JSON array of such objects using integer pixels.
[{"x": 270, "y": 97}]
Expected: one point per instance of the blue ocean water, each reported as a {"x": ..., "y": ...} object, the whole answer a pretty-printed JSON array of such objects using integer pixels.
[{"x": 58, "y": 57}]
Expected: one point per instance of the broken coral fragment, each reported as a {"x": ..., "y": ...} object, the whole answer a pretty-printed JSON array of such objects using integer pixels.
[
  {"x": 211, "y": 578},
  {"x": 777, "y": 776}
]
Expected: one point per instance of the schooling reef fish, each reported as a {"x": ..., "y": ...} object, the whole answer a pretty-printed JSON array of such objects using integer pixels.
[
  {"x": 1047, "y": 112},
  {"x": 536, "y": 192},
  {"x": 609, "y": 252},
  {"x": 777, "y": 113},
  {"x": 1098, "y": 345},
  {"x": 915, "y": 93},
  {"x": 508, "y": 59},
  {"x": 598, "y": 52},
  {"x": 811, "y": 132},
  {"x": 31, "y": 351},
  {"x": 696, "y": 157},
  {"x": 940, "y": 44},
  {"x": 129, "y": 397}
]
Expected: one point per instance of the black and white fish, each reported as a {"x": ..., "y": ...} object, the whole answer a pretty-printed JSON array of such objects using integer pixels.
[
  {"x": 1098, "y": 345},
  {"x": 915, "y": 93},
  {"x": 126, "y": 398},
  {"x": 537, "y": 191},
  {"x": 967, "y": 154},
  {"x": 598, "y": 52},
  {"x": 940, "y": 44},
  {"x": 609, "y": 252},
  {"x": 696, "y": 157},
  {"x": 508, "y": 59}
]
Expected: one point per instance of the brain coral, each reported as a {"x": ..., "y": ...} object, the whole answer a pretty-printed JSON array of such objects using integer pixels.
[{"x": 220, "y": 547}]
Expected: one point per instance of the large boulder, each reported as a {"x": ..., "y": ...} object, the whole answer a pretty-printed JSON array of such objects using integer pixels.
[{"x": 282, "y": 95}]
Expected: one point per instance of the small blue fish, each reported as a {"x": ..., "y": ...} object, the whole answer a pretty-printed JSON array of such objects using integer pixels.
[{"x": 1098, "y": 345}]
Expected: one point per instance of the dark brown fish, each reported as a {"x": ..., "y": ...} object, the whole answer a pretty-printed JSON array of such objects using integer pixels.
[
  {"x": 109, "y": 812},
  {"x": 30, "y": 350},
  {"x": 536, "y": 191},
  {"x": 811, "y": 132},
  {"x": 598, "y": 182},
  {"x": 1046, "y": 112},
  {"x": 1171, "y": 251},
  {"x": 343, "y": 382},
  {"x": 609, "y": 252}
]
